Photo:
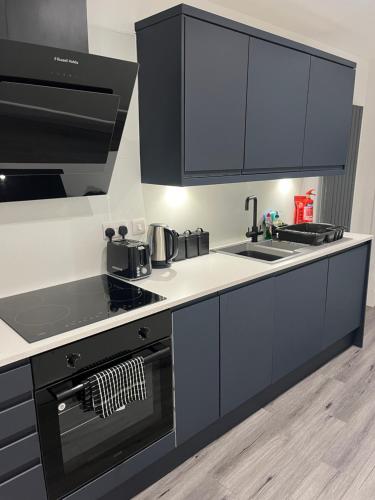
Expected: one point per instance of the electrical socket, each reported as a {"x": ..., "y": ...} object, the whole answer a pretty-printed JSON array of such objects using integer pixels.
[{"x": 115, "y": 226}]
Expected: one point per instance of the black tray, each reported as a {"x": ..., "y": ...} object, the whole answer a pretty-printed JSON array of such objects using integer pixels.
[{"x": 311, "y": 233}]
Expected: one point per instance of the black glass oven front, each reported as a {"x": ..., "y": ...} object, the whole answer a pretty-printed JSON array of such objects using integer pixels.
[{"x": 78, "y": 446}]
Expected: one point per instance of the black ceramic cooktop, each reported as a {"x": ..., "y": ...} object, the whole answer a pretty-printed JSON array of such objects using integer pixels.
[{"x": 47, "y": 312}]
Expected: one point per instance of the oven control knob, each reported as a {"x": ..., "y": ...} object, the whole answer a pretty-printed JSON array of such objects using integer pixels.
[
  {"x": 144, "y": 332},
  {"x": 72, "y": 359}
]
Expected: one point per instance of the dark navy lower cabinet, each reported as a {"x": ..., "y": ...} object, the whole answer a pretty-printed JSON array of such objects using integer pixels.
[
  {"x": 300, "y": 298},
  {"x": 196, "y": 367},
  {"x": 246, "y": 333},
  {"x": 345, "y": 293},
  {"x": 26, "y": 485},
  {"x": 21, "y": 474}
]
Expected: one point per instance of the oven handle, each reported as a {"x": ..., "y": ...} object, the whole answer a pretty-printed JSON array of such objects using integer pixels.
[{"x": 60, "y": 396}]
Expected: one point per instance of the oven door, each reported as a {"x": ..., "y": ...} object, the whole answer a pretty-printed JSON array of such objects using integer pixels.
[{"x": 77, "y": 446}]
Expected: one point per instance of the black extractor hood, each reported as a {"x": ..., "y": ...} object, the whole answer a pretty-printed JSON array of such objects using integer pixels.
[{"x": 62, "y": 115}]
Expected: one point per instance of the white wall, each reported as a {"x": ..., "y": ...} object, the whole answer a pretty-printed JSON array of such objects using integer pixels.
[
  {"x": 46, "y": 242},
  {"x": 220, "y": 208}
]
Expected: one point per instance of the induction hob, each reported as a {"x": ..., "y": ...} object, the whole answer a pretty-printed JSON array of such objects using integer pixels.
[{"x": 50, "y": 311}]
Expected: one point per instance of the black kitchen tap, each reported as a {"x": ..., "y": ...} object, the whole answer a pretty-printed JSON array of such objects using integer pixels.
[{"x": 255, "y": 232}]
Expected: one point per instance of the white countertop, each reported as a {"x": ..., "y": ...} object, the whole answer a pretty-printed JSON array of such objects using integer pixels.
[{"x": 184, "y": 281}]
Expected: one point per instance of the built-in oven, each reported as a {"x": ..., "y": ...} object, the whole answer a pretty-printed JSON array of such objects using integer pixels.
[{"x": 78, "y": 445}]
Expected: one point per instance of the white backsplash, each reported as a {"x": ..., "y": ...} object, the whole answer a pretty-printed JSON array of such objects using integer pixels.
[
  {"x": 220, "y": 209},
  {"x": 46, "y": 242}
]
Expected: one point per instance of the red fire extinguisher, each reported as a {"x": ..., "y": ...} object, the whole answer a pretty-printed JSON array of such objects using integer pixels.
[{"x": 304, "y": 207}]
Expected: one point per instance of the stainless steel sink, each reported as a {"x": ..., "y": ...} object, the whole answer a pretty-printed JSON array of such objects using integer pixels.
[{"x": 266, "y": 251}]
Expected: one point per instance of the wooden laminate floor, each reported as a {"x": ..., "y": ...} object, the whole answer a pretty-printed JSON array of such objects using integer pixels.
[{"x": 316, "y": 441}]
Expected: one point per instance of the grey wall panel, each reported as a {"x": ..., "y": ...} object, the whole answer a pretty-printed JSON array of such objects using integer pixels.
[{"x": 337, "y": 192}]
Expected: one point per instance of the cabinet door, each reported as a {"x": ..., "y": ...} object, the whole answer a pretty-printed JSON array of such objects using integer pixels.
[
  {"x": 276, "y": 107},
  {"x": 345, "y": 293},
  {"x": 28, "y": 484},
  {"x": 215, "y": 97},
  {"x": 300, "y": 300},
  {"x": 246, "y": 330},
  {"x": 329, "y": 113},
  {"x": 196, "y": 367}
]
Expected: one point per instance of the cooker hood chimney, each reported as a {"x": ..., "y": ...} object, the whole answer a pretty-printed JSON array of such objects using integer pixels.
[
  {"x": 55, "y": 23},
  {"x": 62, "y": 110}
]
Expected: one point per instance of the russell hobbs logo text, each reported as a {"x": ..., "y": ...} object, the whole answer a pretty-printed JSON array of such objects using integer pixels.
[{"x": 68, "y": 61}]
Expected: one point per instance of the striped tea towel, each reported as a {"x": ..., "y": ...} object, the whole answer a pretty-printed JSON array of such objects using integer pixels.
[{"x": 111, "y": 390}]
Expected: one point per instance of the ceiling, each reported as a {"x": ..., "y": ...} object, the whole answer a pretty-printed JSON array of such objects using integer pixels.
[{"x": 347, "y": 25}]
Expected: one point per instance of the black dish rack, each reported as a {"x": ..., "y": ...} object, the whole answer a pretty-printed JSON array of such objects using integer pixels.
[{"x": 311, "y": 233}]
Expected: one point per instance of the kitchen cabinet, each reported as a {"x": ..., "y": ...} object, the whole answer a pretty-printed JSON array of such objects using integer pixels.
[
  {"x": 276, "y": 107},
  {"x": 329, "y": 114},
  {"x": 196, "y": 367},
  {"x": 21, "y": 474},
  {"x": 28, "y": 484},
  {"x": 300, "y": 298},
  {"x": 221, "y": 102},
  {"x": 246, "y": 332},
  {"x": 46, "y": 22},
  {"x": 345, "y": 293},
  {"x": 215, "y": 97}
]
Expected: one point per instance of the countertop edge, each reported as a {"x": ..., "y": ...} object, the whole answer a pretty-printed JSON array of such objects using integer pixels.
[{"x": 23, "y": 350}]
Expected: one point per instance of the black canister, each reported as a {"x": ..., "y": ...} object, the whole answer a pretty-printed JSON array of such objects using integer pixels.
[
  {"x": 181, "y": 254},
  {"x": 191, "y": 240},
  {"x": 203, "y": 241}
]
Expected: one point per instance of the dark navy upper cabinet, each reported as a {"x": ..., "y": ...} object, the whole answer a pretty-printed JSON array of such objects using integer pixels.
[
  {"x": 196, "y": 367},
  {"x": 300, "y": 298},
  {"x": 246, "y": 332},
  {"x": 215, "y": 97},
  {"x": 223, "y": 102},
  {"x": 345, "y": 293},
  {"x": 329, "y": 114},
  {"x": 276, "y": 107}
]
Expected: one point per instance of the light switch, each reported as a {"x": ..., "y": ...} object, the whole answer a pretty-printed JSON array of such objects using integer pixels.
[{"x": 138, "y": 226}]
